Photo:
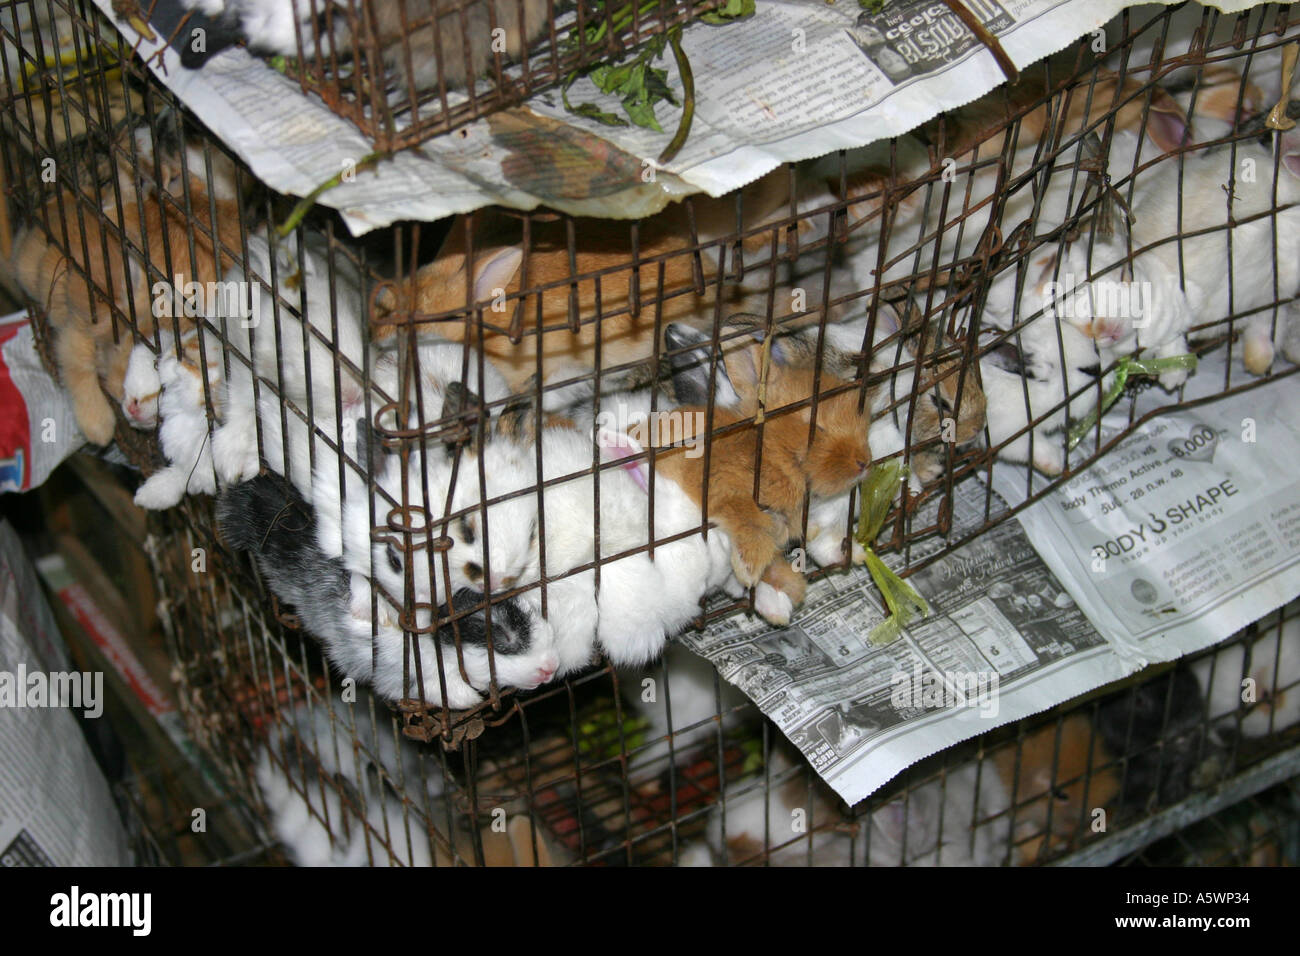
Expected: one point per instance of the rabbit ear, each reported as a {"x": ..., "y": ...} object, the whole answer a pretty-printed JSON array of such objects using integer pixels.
[
  {"x": 495, "y": 270},
  {"x": 616, "y": 441},
  {"x": 690, "y": 360},
  {"x": 513, "y": 419},
  {"x": 1166, "y": 122}
]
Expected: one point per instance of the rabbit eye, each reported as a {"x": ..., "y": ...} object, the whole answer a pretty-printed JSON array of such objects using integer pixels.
[
  {"x": 532, "y": 538},
  {"x": 942, "y": 403},
  {"x": 466, "y": 530},
  {"x": 473, "y": 571},
  {"x": 1060, "y": 794},
  {"x": 394, "y": 558}
]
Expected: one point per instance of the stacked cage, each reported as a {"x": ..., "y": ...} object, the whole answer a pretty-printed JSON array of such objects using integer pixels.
[
  {"x": 405, "y": 71},
  {"x": 432, "y": 505}
]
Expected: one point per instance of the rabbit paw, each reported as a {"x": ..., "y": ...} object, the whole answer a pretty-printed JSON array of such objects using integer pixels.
[
  {"x": 97, "y": 423},
  {"x": 1048, "y": 456},
  {"x": 772, "y": 605},
  {"x": 1257, "y": 354},
  {"x": 235, "y": 456},
  {"x": 753, "y": 549},
  {"x": 163, "y": 490},
  {"x": 827, "y": 549},
  {"x": 1173, "y": 379}
]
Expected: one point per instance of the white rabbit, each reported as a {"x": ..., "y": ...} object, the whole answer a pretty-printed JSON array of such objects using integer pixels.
[
  {"x": 1126, "y": 308},
  {"x": 1273, "y": 670},
  {"x": 1044, "y": 364},
  {"x": 778, "y": 819},
  {"x": 184, "y": 432},
  {"x": 302, "y": 782},
  {"x": 509, "y": 468},
  {"x": 772, "y": 822},
  {"x": 956, "y": 805},
  {"x": 141, "y": 388},
  {"x": 641, "y": 600},
  {"x": 1203, "y": 260},
  {"x": 684, "y": 689},
  {"x": 1116, "y": 312},
  {"x": 265, "y": 516},
  {"x": 291, "y": 363}
]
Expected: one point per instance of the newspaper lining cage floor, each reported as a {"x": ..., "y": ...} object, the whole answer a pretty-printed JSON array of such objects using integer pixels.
[
  {"x": 960, "y": 300},
  {"x": 406, "y": 71}
]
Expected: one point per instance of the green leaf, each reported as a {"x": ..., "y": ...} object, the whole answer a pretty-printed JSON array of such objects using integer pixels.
[
  {"x": 730, "y": 12},
  {"x": 872, "y": 6},
  {"x": 642, "y": 114},
  {"x": 594, "y": 112},
  {"x": 612, "y": 79},
  {"x": 656, "y": 84}
]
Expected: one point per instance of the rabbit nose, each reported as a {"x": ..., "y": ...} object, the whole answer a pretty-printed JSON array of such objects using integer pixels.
[
  {"x": 133, "y": 408},
  {"x": 546, "y": 670}
]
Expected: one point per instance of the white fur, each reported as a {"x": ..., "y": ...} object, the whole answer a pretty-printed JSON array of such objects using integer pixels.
[
  {"x": 283, "y": 369},
  {"x": 141, "y": 387},
  {"x": 353, "y": 648},
  {"x": 1205, "y": 269},
  {"x": 350, "y": 748},
  {"x": 684, "y": 688},
  {"x": 1273, "y": 669},
  {"x": 642, "y": 600},
  {"x": 184, "y": 433}
]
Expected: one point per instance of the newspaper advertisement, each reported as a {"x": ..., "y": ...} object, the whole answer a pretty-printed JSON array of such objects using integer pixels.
[
  {"x": 1189, "y": 529},
  {"x": 1200, "y": 537},
  {"x": 798, "y": 80}
]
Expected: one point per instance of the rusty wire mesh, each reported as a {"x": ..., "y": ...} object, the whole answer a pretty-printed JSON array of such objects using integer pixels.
[
  {"x": 406, "y": 71},
  {"x": 914, "y": 235}
]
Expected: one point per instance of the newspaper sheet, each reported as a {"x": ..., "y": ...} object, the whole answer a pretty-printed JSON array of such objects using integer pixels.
[
  {"x": 1022, "y": 620},
  {"x": 798, "y": 80},
  {"x": 55, "y": 805}
]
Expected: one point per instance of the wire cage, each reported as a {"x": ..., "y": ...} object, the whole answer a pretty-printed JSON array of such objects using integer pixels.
[
  {"x": 405, "y": 71},
  {"x": 590, "y": 773},
  {"x": 492, "y": 465}
]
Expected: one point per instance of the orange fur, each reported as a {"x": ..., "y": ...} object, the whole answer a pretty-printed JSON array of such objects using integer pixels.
[
  {"x": 790, "y": 464},
  {"x": 1057, "y": 776},
  {"x": 96, "y": 294},
  {"x": 605, "y": 303}
]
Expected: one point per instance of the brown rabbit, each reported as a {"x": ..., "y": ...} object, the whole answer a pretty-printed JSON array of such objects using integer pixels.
[
  {"x": 95, "y": 292},
  {"x": 772, "y": 431},
  {"x": 1063, "y": 775},
  {"x": 949, "y": 405}
]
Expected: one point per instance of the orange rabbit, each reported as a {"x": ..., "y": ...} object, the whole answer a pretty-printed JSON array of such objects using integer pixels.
[
  {"x": 82, "y": 281},
  {"x": 607, "y": 306},
  {"x": 793, "y": 456}
]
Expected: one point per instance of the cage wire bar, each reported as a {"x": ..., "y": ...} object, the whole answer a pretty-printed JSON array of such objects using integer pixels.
[
  {"x": 407, "y": 70},
  {"x": 882, "y": 276}
]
